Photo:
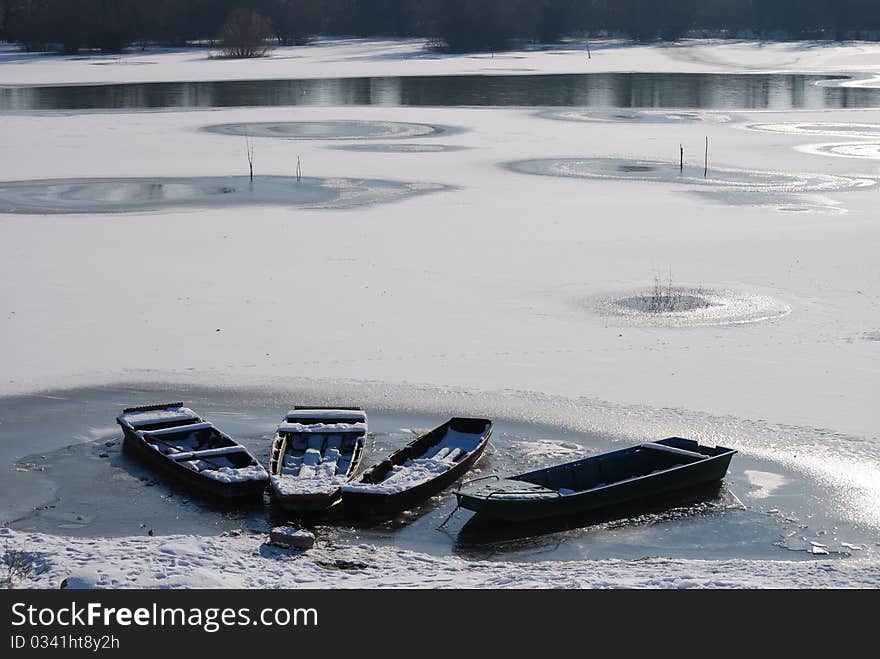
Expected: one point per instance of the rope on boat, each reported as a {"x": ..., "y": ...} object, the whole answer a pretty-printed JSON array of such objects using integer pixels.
[{"x": 449, "y": 517}]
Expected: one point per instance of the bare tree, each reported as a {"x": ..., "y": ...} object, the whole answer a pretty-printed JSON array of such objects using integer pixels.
[{"x": 244, "y": 34}]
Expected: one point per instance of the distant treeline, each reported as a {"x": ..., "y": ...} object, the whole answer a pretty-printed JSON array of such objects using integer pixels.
[{"x": 457, "y": 25}]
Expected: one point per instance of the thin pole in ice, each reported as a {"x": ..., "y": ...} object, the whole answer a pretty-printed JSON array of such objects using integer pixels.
[
  {"x": 706, "y": 166},
  {"x": 298, "y": 169},
  {"x": 250, "y": 154},
  {"x": 681, "y": 158}
]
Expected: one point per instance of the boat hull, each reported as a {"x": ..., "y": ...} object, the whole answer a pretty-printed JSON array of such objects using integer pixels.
[
  {"x": 372, "y": 505},
  {"x": 523, "y": 509},
  {"x": 136, "y": 447},
  {"x": 316, "y": 502}
]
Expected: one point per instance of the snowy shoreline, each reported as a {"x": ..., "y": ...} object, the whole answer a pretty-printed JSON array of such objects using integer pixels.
[{"x": 248, "y": 562}]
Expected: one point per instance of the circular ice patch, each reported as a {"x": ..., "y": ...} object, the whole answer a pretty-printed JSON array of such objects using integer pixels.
[
  {"x": 826, "y": 128},
  {"x": 398, "y": 148},
  {"x": 634, "y": 116},
  {"x": 403, "y": 147},
  {"x": 328, "y": 130},
  {"x": 861, "y": 150},
  {"x": 669, "y": 172},
  {"x": 55, "y": 196},
  {"x": 690, "y": 307}
]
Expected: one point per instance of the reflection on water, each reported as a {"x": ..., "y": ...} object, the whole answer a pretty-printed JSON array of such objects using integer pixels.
[{"x": 621, "y": 90}]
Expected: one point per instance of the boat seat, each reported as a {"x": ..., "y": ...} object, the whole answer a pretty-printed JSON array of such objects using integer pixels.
[
  {"x": 671, "y": 449},
  {"x": 207, "y": 453},
  {"x": 178, "y": 419},
  {"x": 176, "y": 430},
  {"x": 510, "y": 488}
]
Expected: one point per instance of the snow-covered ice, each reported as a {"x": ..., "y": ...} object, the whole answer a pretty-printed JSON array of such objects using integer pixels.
[{"x": 247, "y": 562}]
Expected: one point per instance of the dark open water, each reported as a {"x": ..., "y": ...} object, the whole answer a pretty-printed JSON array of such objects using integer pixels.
[{"x": 600, "y": 90}]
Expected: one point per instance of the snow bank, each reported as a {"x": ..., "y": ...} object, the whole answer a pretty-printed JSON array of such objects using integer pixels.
[{"x": 247, "y": 561}]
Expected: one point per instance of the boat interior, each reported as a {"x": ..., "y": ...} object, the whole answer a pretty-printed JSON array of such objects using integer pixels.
[
  {"x": 199, "y": 446},
  {"x": 450, "y": 443},
  {"x": 319, "y": 454},
  {"x": 611, "y": 468}
]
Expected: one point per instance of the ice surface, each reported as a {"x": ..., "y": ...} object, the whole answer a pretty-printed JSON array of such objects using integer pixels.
[{"x": 766, "y": 483}]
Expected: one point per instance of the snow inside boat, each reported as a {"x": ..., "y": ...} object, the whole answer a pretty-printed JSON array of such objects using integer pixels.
[
  {"x": 628, "y": 475},
  {"x": 178, "y": 441},
  {"x": 316, "y": 450},
  {"x": 419, "y": 470}
]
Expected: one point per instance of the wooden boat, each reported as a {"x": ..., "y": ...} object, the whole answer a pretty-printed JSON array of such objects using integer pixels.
[
  {"x": 316, "y": 450},
  {"x": 178, "y": 441},
  {"x": 596, "y": 482},
  {"x": 419, "y": 470}
]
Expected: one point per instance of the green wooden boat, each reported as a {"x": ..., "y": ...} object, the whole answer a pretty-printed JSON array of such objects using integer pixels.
[{"x": 593, "y": 483}]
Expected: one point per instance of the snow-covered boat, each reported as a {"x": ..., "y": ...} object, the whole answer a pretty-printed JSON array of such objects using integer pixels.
[
  {"x": 419, "y": 470},
  {"x": 631, "y": 474},
  {"x": 178, "y": 441},
  {"x": 315, "y": 452}
]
